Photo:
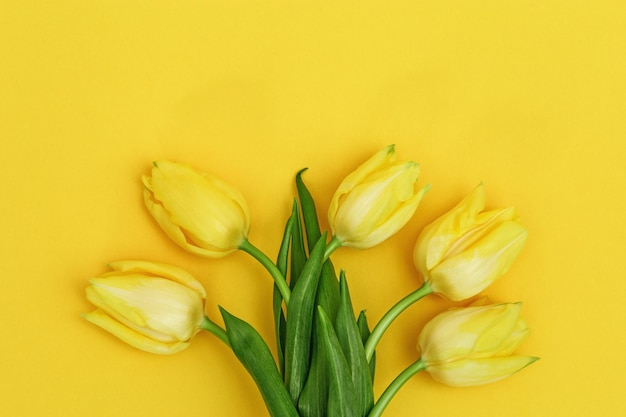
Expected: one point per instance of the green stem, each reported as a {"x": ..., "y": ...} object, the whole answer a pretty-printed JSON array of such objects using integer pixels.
[
  {"x": 271, "y": 267},
  {"x": 391, "y": 315},
  {"x": 210, "y": 326},
  {"x": 395, "y": 386},
  {"x": 332, "y": 246}
]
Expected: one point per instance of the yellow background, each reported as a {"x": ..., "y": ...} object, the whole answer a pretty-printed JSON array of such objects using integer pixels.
[{"x": 527, "y": 96}]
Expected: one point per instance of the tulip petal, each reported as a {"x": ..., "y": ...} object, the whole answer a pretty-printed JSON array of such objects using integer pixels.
[
  {"x": 160, "y": 270},
  {"x": 208, "y": 217},
  {"x": 163, "y": 219},
  {"x": 495, "y": 329},
  {"x": 472, "y": 372},
  {"x": 518, "y": 335},
  {"x": 473, "y": 270},
  {"x": 156, "y": 307},
  {"x": 370, "y": 202},
  {"x": 436, "y": 238},
  {"x": 175, "y": 233},
  {"x": 381, "y": 159},
  {"x": 378, "y": 207},
  {"x": 395, "y": 222},
  {"x": 484, "y": 224},
  {"x": 132, "y": 337},
  {"x": 470, "y": 332},
  {"x": 234, "y": 194}
]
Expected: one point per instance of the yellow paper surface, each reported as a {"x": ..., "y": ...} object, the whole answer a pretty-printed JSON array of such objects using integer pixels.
[{"x": 527, "y": 96}]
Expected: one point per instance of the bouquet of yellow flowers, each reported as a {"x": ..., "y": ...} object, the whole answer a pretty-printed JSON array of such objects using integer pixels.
[{"x": 325, "y": 353}]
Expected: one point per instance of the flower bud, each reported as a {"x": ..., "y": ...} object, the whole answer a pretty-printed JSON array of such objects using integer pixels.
[
  {"x": 474, "y": 345},
  {"x": 465, "y": 250},
  {"x": 375, "y": 201},
  {"x": 154, "y": 307},
  {"x": 198, "y": 211}
]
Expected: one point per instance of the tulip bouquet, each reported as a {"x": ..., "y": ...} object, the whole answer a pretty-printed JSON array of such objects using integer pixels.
[{"x": 323, "y": 361}]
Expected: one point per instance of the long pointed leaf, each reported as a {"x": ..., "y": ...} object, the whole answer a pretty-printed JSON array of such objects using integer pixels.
[
  {"x": 364, "y": 329},
  {"x": 313, "y": 401},
  {"x": 309, "y": 213},
  {"x": 298, "y": 253},
  {"x": 328, "y": 291},
  {"x": 341, "y": 394},
  {"x": 300, "y": 321},
  {"x": 350, "y": 339},
  {"x": 314, "y": 397},
  {"x": 256, "y": 357},
  {"x": 283, "y": 253},
  {"x": 277, "y": 299}
]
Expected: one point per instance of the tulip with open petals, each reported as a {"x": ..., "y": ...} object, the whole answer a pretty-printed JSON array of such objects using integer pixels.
[{"x": 465, "y": 250}]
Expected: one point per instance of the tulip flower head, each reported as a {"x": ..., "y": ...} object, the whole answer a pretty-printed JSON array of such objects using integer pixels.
[
  {"x": 201, "y": 213},
  {"x": 154, "y": 307},
  {"x": 474, "y": 345},
  {"x": 375, "y": 201},
  {"x": 465, "y": 250}
]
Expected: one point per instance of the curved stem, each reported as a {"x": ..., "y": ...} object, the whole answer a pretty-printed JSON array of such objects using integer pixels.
[
  {"x": 332, "y": 246},
  {"x": 210, "y": 326},
  {"x": 395, "y": 386},
  {"x": 271, "y": 267},
  {"x": 391, "y": 315}
]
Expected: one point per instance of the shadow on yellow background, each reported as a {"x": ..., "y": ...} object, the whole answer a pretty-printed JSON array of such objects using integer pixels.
[{"x": 528, "y": 97}]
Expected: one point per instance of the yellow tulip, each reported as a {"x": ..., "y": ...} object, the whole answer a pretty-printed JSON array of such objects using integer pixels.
[
  {"x": 474, "y": 345},
  {"x": 198, "y": 211},
  {"x": 375, "y": 201},
  {"x": 154, "y": 307},
  {"x": 465, "y": 250}
]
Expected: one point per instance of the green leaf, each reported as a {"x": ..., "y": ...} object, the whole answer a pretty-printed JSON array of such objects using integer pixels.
[
  {"x": 298, "y": 254},
  {"x": 364, "y": 329},
  {"x": 341, "y": 394},
  {"x": 313, "y": 400},
  {"x": 256, "y": 357},
  {"x": 283, "y": 253},
  {"x": 351, "y": 342},
  {"x": 277, "y": 299},
  {"x": 314, "y": 396},
  {"x": 309, "y": 213},
  {"x": 328, "y": 290},
  {"x": 300, "y": 321}
]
